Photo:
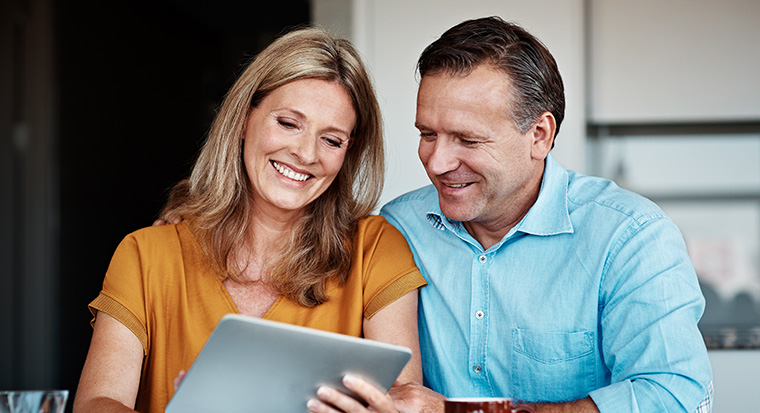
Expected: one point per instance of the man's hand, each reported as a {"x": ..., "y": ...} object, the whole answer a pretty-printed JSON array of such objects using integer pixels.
[
  {"x": 414, "y": 397},
  {"x": 171, "y": 219}
]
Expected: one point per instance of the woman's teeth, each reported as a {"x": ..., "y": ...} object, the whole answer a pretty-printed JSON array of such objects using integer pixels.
[{"x": 289, "y": 172}]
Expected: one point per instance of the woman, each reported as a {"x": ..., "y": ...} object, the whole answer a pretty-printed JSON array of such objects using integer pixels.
[{"x": 276, "y": 226}]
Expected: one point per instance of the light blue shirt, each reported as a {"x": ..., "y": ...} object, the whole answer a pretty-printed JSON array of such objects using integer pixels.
[{"x": 591, "y": 293}]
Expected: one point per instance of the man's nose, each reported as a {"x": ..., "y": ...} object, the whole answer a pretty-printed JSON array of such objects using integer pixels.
[{"x": 438, "y": 156}]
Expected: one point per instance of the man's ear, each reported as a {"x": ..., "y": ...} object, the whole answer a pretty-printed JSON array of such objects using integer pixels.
[{"x": 543, "y": 136}]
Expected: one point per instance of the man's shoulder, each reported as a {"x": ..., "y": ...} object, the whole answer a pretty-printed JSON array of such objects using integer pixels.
[
  {"x": 605, "y": 196},
  {"x": 409, "y": 212},
  {"x": 425, "y": 197}
]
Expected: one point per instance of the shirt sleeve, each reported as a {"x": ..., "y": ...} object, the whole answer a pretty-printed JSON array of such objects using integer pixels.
[
  {"x": 388, "y": 267},
  {"x": 651, "y": 305},
  {"x": 122, "y": 295}
]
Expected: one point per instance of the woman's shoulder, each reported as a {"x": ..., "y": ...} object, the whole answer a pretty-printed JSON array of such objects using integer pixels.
[
  {"x": 154, "y": 239},
  {"x": 375, "y": 228},
  {"x": 156, "y": 233},
  {"x": 373, "y": 224}
]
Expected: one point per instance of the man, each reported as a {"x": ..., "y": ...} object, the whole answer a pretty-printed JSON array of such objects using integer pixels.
[{"x": 544, "y": 285}]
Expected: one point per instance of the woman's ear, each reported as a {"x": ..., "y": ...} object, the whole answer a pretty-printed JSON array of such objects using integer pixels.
[
  {"x": 543, "y": 136},
  {"x": 350, "y": 143}
]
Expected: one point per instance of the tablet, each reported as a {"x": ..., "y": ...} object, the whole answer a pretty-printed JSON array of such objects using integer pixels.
[{"x": 254, "y": 365}]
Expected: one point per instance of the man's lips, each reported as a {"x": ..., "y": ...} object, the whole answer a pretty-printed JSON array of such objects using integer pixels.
[{"x": 456, "y": 186}]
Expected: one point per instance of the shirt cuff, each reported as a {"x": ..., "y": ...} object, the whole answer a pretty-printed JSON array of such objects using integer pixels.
[{"x": 615, "y": 398}]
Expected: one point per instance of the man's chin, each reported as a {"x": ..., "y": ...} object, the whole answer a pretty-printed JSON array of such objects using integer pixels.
[{"x": 455, "y": 212}]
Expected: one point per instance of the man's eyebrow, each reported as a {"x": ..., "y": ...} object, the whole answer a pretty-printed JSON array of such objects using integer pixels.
[{"x": 464, "y": 134}]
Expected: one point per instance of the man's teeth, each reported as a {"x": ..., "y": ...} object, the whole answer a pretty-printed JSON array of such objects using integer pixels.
[
  {"x": 457, "y": 185},
  {"x": 289, "y": 172}
]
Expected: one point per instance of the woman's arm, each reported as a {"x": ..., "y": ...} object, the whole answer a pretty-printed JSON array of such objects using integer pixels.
[
  {"x": 394, "y": 324},
  {"x": 397, "y": 324},
  {"x": 111, "y": 374}
]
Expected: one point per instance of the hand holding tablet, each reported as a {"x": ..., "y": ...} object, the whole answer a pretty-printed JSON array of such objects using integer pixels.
[{"x": 254, "y": 365}]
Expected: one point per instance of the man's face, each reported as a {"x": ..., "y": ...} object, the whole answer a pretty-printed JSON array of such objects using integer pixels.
[{"x": 486, "y": 172}]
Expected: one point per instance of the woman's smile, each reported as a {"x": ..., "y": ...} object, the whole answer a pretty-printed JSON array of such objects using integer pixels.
[{"x": 290, "y": 173}]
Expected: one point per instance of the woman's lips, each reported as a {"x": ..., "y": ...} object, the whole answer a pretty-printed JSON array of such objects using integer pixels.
[{"x": 287, "y": 172}]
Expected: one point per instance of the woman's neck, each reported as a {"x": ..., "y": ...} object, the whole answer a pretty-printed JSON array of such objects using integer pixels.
[{"x": 268, "y": 236}]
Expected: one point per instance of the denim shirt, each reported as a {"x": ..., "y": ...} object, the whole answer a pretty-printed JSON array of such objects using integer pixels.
[{"x": 591, "y": 293}]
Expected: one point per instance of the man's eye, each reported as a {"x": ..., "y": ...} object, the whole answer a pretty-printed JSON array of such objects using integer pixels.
[{"x": 427, "y": 135}]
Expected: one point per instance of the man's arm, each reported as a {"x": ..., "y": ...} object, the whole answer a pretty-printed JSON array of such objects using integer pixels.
[
  {"x": 651, "y": 305},
  {"x": 416, "y": 398},
  {"x": 579, "y": 406}
]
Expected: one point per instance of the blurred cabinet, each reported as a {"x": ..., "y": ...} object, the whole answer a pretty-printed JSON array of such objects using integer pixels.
[{"x": 673, "y": 61}]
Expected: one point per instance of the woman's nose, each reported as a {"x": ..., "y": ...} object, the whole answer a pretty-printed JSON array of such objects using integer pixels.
[{"x": 305, "y": 148}]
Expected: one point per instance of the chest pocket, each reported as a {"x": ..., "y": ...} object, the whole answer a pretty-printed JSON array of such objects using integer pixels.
[{"x": 552, "y": 366}]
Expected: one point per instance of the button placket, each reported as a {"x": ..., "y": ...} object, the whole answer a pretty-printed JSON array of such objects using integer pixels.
[{"x": 478, "y": 322}]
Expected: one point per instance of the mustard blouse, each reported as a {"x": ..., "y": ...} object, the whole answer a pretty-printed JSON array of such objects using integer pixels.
[{"x": 161, "y": 286}]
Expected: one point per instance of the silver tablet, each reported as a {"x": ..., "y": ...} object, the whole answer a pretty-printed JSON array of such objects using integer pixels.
[{"x": 254, "y": 365}]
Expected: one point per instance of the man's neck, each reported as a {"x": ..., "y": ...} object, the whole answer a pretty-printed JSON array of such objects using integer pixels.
[{"x": 489, "y": 233}]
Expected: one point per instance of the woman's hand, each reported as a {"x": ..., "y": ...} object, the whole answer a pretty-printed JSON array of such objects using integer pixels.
[{"x": 178, "y": 379}]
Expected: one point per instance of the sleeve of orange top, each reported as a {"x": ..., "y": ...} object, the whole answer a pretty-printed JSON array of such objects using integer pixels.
[
  {"x": 123, "y": 294},
  {"x": 389, "y": 270}
]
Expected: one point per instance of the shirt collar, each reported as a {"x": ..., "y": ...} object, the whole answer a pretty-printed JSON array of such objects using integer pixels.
[{"x": 548, "y": 216}]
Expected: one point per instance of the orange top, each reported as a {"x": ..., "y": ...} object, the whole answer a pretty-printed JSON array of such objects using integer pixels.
[{"x": 161, "y": 286}]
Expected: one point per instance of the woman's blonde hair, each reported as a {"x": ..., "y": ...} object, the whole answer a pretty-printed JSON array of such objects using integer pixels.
[{"x": 217, "y": 195}]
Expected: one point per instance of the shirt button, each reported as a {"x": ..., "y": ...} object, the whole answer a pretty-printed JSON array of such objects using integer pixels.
[
  {"x": 482, "y": 259},
  {"x": 479, "y": 314},
  {"x": 477, "y": 368}
]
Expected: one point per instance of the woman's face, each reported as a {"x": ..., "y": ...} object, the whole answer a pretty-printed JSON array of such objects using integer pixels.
[{"x": 295, "y": 141}]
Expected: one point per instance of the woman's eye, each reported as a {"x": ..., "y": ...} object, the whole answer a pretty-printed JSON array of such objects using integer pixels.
[
  {"x": 334, "y": 142},
  {"x": 286, "y": 123}
]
